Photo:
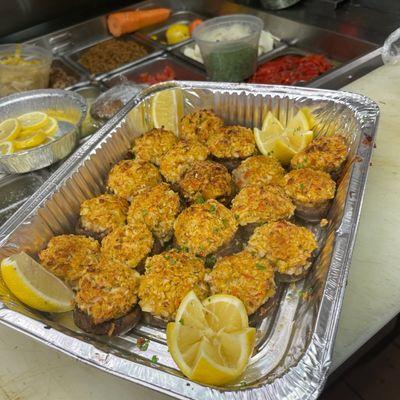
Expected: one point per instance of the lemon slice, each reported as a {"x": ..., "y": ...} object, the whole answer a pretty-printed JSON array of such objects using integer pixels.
[
  {"x": 6, "y": 148},
  {"x": 167, "y": 109},
  {"x": 33, "y": 121},
  {"x": 299, "y": 122},
  {"x": 32, "y": 284},
  {"x": 299, "y": 140},
  {"x": 272, "y": 125},
  {"x": 51, "y": 128},
  {"x": 32, "y": 140},
  {"x": 211, "y": 342},
  {"x": 9, "y": 129}
]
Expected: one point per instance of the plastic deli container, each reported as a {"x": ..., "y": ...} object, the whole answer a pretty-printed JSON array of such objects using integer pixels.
[
  {"x": 23, "y": 67},
  {"x": 229, "y": 46}
]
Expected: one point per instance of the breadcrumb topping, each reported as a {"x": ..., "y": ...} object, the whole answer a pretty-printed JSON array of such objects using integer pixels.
[
  {"x": 70, "y": 256},
  {"x": 232, "y": 142},
  {"x": 309, "y": 186},
  {"x": 325, "y": 153},
  {"x": 169, "y": 277},
  {"x": 260, "y": 204},
  {"x": 129, "y": 244},
  {"x": 258, "y": 170},
  {"x": 286, "y": 246},
  {"x": 200, "y": 125},
  {"x": 129, "y": 177},
  {"x": 179, "y": 160},
  {"x": 245, "y": 276},
  {"x": 153, "y": 145},
  {"x": 204, "y": 228},
  {"x": 158, "y": 208},
  {"x": 103, "y": 213},
  {"x": 206, "y": 180},
  {"x": 108, "y": 293}
]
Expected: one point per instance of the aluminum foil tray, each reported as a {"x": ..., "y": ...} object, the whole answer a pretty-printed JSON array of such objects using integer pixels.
[{"x": 294, "y": 345}]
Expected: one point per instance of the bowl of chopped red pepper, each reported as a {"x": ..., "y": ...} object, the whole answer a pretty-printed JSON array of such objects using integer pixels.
[{"x": 291, "y": 69}]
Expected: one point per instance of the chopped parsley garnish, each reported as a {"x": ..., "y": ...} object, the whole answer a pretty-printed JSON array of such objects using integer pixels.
[
  {"x": 200, "y": 200},
  {"x": 225, "y": 222},
  {"x": 181, "y": 321},
  {"x": 301, "y": 186},
  {"x": 260, "y": 266},
  {"x": 154, "y": 359},
  {"x": 144, "y": 212},
  {"x": 213, "y": 209},
  {"x": 142, "y": 344}
]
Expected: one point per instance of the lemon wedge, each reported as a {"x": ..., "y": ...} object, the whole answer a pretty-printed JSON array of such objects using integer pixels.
[
  {"x": 32, "y": 284},
  {"x": 51, "y": 128},
  {"x": 6, "y": 148},
  {"x": 272, "y": 125},
  {"x": 299, "y": 122},
  {"x": 9, "y": 129},
  {"x": 211, "y": 342},
  {"x": 310, "y": 117},
  {"x": 33, "y": 121},
  {"x": 299, "y": 140},
  {"x": 167, "y": 109},
  {"x": 32, "y": 139}
]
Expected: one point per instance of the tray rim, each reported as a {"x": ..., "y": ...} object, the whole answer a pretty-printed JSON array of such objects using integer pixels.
[{"x": 334, "y": 286}]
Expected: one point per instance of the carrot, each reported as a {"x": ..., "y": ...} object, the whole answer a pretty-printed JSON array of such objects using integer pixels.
[{"x": 124, "y": 22}]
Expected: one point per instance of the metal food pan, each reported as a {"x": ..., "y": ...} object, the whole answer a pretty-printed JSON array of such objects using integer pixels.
[
  {"x": 179, "y": 52},
  {"x": 183, "y": 71},
  {"x": 78, "y": 75},
  {"x": 73, "y": 57},
  {"x": 157, "y": 33},
  {"x": 292, "y": 50},
  {"x": 295, "y": 341}
]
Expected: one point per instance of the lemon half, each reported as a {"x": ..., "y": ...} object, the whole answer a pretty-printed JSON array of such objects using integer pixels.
[
  {"x": 32, "y": 284},
  {"x": 211, "y": 342}
]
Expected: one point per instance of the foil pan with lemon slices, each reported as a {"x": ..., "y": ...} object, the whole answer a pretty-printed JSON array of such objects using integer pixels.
[
  {"x": 39, "y": 146},
  {"x": 294, "y": 341}
]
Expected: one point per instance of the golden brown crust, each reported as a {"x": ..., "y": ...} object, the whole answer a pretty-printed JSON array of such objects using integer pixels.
[
  {"x": 169, "y": 277},
  {"x": 103, "y": 213},
  {"x": 70, "y": 256},
  {"x": 245, "y": 276},
  {"x": 179, "y": 160},
  {"x": 325, "y": 153},
  {"x": 200, "y": 125},
  {"x": 260, "y": 204},
  {"x": 206, "y": 180},
  {"x": 309, "y": 186},
  {"x": 108, "y": 293},
  {"x": 158, "y": 208},
  {"x": 286, "y": 246},
  {"x": 232, "y": 142},
  {"x": 204, "y": 228},
  {"x": 258, "y": 170},
  {"x": 153, "y": 145},
  {"x": 129, "y": 177},
  {"x": 128, "y": 244}
]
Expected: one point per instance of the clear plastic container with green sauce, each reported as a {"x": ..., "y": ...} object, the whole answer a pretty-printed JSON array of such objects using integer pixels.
[{"x": 229, "y": 46}]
